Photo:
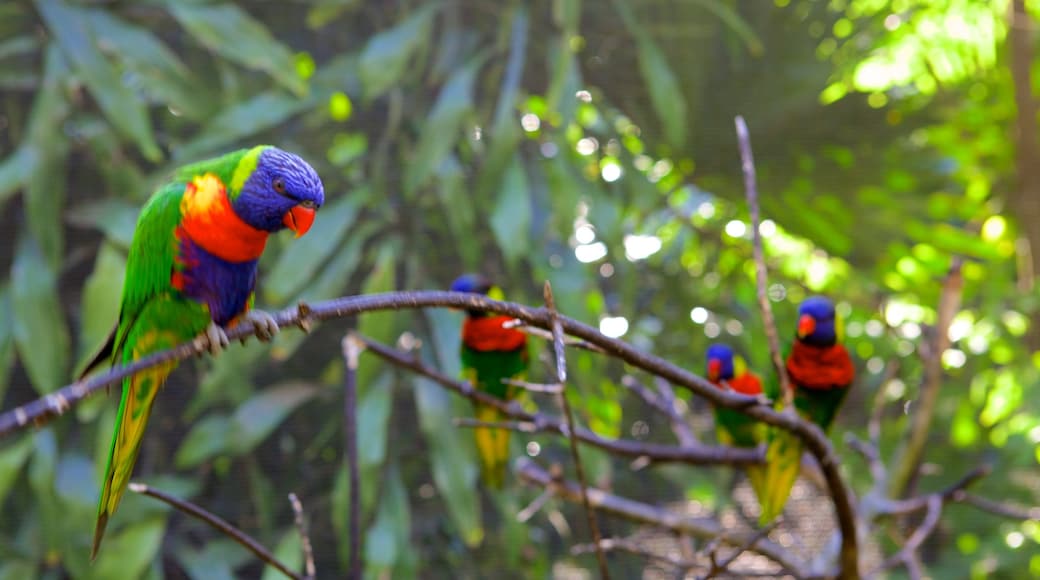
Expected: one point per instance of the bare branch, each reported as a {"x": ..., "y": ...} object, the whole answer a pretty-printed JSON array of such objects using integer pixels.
[
  {"x": 568, "y": 415},
  {"x": 998, "y": 508},
  {"x": 700, "y": 528},
  {"x": 533, "y": 507},
  {"x": 305, "y": 540},
  {"x": 219, "y": 524},
  {"x": 519, "y": 426},
  {"x": 665, "y": 404},
  {"x": 631, "y": 547},
  {"x": 721, "y": 567},
  {"x": 351, "y": 352},
  {"x": 934, "y": 504},
  {"x": 747, "y": 164},
  {"x": 814, "y": 439},
  {"x": 698, "y": 455},
  {"x": 535, "y": 387},
  {"x": 542, "y": 333},
  {"x": 908, "y": 458}
]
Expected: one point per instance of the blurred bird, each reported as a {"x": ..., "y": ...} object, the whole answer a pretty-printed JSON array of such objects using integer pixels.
[
  {"x": 821, "y": 373},
  {"x": 733, "y": 427},
  {"x": 491, "y": 353},
  {"x": 191, "y": 271}
]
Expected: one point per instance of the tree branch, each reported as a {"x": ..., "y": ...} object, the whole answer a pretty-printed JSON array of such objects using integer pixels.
[
  {"x": 700, "y": 528},
  {"x": 814, "y": 439},
  {"x": 351, "y": 352},
  {"x": 747, "y": 164},
  {"x": 908, "y": 458},
  {"x": 568, "y": 415},
  {"x": 538, "y": 422},
  {"x": 664, "y": 403},
  {"x": 219, "y": 524},
  {"x": 305, "y": 540}
]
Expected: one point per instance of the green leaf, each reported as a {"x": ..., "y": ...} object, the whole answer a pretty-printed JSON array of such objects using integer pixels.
[
  {"x": 75, "y": 483},
  {"x": 298, "y": 263},
  {"x": 444, "y": 125},
  {"x": 101, "y": 298},
  {"x": 665, "y": 94},
  {"x": 255, "y": 419},
  {"x": 128, "y": 552},
  {"x": 386, "y": 55},
  {"x": 123, "y": 109},
  {"x": 729, "y": 15},
  {"x": 116, "y": 218},
  {"x": 234, "y": 34},
  {"x": 12, "y": 457},
  {"x": 511, "y": 219},
  {"x": 158, "y": 69},
  {"x": 17, "y": 570},
  {"x": 209, "y": 436},
  {"x": 7, "y": 345},
  {"x": 14, "y": 171},
  {"x": 387, "y": 539},
  {"x": 289, "y": 551},
  {"x": 39, "y": 325},
  {"x": 241, "y": 120},
  {"x": 452, "y": 455}
]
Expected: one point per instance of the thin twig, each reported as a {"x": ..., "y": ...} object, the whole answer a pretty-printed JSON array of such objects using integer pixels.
[
  {"x": 532, "y": 508},
  {"x": 747, "y": 164},
  {"x": 664, "y": 405},
  {"x": 908, "y": 458},
  {"x": 520, "y": 325},
  {"x": 700, "y": 528},
  {"x": 568, "y": 415},
  {"x": 723, "y": 566},
  {"x": 931, "y": 519},
  {"x": 998, "y": 508},
  {"x": 534, "y": 387},
  {"x": 471, "y": 423},
  {"x": 310, "y": 570},
  {"x": 631, "y": 547},
  {"x": 351, "y": 352},
  {"x": 219, "y": 524}
]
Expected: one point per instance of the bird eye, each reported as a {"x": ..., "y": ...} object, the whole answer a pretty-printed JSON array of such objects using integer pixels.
[{"x": 279, "y": 185}]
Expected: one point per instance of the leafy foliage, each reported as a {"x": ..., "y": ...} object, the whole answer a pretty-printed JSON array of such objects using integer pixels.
[{"x": 585, "y": 143}]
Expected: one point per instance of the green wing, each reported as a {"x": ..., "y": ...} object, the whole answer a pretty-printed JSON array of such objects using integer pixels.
[
  {"x": 485, "y": 370},
  {"x": 152, "y": 317}
]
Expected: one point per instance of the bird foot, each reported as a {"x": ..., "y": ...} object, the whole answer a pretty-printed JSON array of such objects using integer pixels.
[
  {"x": 264, "y": 324},
  {"x": 213, "y": 339}
]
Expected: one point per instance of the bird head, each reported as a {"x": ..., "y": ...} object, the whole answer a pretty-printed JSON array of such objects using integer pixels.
[
  {"x": 721, "y": 363},
  {"x": 477, "y": 284},
  {"x": 273, "y": 189},
  {"x": 817, "y": 322}
]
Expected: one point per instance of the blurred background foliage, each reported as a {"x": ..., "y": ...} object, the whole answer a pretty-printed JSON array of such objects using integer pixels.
[{"x": 586, "y": 143}]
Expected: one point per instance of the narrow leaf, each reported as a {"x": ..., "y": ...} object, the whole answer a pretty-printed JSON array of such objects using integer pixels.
[
  {"x": 39, "y": 325},
  {"x": 386, "y": 55},
  {"x": 254, "y": 420},
  {"x": 123, "y": 109},
  {"x": 234, "y": 34},
  {"x": 512, "y": 216}
]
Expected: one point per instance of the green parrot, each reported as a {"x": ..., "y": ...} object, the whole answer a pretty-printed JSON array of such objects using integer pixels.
[
  {"x": 191, "y": 271},
  {"x": 491, "y": 353},
  {"x": 733, "y": 427},
  {"x": 821, "y": 373}
]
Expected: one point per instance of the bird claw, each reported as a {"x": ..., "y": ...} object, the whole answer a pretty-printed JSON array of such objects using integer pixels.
[
  {"x": 214, "y": 339},
  {"x": 264, "y": 325}
]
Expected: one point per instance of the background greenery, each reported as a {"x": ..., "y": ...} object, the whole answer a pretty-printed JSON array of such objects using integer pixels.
[{"x": 585, "y": 143}]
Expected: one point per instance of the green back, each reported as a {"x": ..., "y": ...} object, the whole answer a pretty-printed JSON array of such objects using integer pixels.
[
  {"x": 490, "y": 367},
  {"x": 232, "y": 169}
]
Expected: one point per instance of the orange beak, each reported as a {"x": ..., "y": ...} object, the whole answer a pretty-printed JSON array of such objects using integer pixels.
[
  {"x": 714, "y": 369},
  {"x": 299, "y": 219},
  {"x": 806, "y": 326}
]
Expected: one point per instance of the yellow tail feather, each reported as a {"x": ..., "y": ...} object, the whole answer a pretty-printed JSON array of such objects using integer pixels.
[
  {"x": 493, "y": 446},
  {"x": 134, "y": 408},
  {"x": 783, "y": 463}
]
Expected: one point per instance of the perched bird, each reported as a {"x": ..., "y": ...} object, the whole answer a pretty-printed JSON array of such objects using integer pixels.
[
  {"x": 733, "y": 427},
  {"x": 490, "y": 353},
  {"x": 191, "y": 270},
  {"x": 821, "y": 373}
]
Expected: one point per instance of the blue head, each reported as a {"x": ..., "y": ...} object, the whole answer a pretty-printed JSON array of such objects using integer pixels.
[
  {"x": 721, "y": 363},
  {"x": 272, "y": 189},
  {"x": 817, "y": 322},
  {"x": 477, "y": 284}
]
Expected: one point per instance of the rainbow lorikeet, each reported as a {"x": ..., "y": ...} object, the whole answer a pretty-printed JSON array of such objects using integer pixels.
[
  {"x": 191, "y": 270},
  {"x": 733, "y": 427},
  {"x": 490, "y": 353},
  {"x": 821, "y": 373}
]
